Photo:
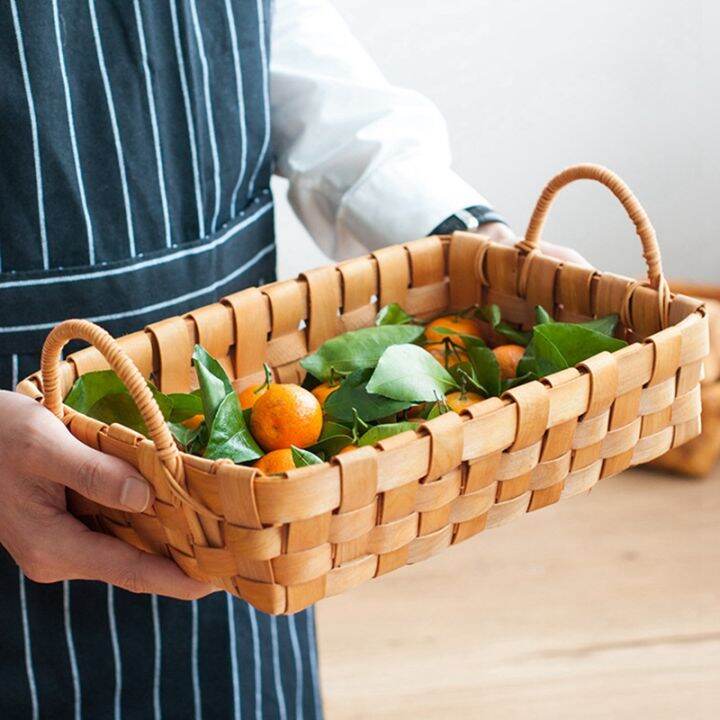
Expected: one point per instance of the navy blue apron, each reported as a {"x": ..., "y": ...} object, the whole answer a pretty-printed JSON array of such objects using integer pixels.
[{"x": 135, "y": 162}]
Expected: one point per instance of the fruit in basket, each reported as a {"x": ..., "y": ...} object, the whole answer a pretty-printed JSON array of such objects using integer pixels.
[
  {"x": 276, "y": 461},
  {"x": 286, "y": 414},
  {"x": 248, "y": 397},
  {"x": 323, "y": 391},
  {"x": 508, "y": 357},
  {"x": 458, "y": 400},
  {"x": 457, "y": 323},
  {"x": 373, "y": 383},
  {"x": 193, "y": 422}
]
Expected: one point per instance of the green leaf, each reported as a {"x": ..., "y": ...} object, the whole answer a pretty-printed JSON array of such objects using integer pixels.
[
  {"x": 91, "y": 387},
  {"x": 303, "y": 458},
  {"x": 214, "y": 382},
  {"x": 392, "y": 314},
  {"x": 103, "y": 396},
  {"x": 486, "y": 369},
  {"x": 118, "y": 408},
  {"x": 491, "y": 314},
  {"x": 381, "y": 432},
  {"x": 605, "y": 325},
  {"x": 184, "y": 406},
  {"x": 519, "y": 337},
  {"x": 542, "y": 316},
  {"x": 358, "y": 349},
  {"x": 511, "y": 383},
  {"x": 528, "y": 362},
  {"x": 333, "y": 439},
  {"x": 353, "y": 395},
  {"x": 229, "y": 435},
  {"x": 558, "y": 346},
  {"x": 184, "y": 435},
  {"x": 409, "y": 373}
]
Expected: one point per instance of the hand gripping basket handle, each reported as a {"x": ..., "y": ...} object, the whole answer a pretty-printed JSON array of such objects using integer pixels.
[
  {"x": 136, "y": 384},
  {"x": 643, "y": 226}
]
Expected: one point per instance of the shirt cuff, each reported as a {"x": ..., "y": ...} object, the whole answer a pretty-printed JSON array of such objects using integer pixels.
[{"x": 401, "y": 200}]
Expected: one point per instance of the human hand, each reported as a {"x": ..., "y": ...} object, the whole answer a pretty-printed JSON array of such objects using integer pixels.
[
  {"x": 501, "y": 233},
  {"x": 39, "y": 458}
]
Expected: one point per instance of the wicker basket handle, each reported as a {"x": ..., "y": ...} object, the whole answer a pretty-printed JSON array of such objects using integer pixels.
[
  {"x": 121, "y": 363},
  {"x": 643, "y": 226}
]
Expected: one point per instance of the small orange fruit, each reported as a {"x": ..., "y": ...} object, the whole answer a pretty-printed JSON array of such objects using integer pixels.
[
  {"x": 458, "y": 401},
  {"x": 347, "y": 448},
  {"x": 464, "y": 325},
  {"x": 323, "y": 391},
  {"x": 248, "y": 397},
  {"x": 455, "y": 356},
  {"x": 194, "y": 421},
  {"x": 286, "y": 414},
  {"x": 277, "y": 461},
  {"x": 508, "y": 357}
]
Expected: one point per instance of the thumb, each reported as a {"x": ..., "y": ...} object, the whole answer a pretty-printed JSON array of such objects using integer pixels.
[{"x": 103, "y": 478}]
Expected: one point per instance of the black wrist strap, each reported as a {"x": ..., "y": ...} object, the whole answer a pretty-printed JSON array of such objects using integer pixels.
[{"x": 469, "y": 218}]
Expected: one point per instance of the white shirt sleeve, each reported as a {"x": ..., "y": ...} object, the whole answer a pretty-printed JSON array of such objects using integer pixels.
[{"x": 368, "y": 163}]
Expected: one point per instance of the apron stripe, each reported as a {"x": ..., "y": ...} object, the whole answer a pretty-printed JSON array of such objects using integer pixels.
[
  {"x": 297, "y": 657},
  {"x": 157, "y": 660},
  {"x": 233, "y": 657},
  {"x": 310, "y": 625},
  {"x": 161, "y": 305},
  {"x": 266, "y": 94},
  {"x": 209, "y": 112},
  {"x": 257, "y": 663},
  {"x": 72, "y": 656},
  {"x": 35, "y": 141},
  {"x": 241, "y": 105},
  {"x": 161, "y": 286},
  {"x": 115, "y": 129},
  {"x": 192, "y": 249},
  {"x": 188, "y": 119},
  {"x": 117, "y": 660},
  {"x": 194, "y": 665},
  {"x": 73, "y": 138},
  {"x": 279, "y": 692},
  {"x": 29, "y": 667},
  {"x": 153, "y": 123}
]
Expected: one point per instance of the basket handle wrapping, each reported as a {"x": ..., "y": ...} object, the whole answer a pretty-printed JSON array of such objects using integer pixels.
[
  {"x": 136, "y": 384},
  {"x": 643, "y": 226}
]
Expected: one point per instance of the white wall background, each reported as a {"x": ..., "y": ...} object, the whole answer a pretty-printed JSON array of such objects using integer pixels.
[{"x": 529, "y": 87}]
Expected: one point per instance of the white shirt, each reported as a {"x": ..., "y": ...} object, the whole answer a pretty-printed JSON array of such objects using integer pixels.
[{"x": 368, "y": 162}]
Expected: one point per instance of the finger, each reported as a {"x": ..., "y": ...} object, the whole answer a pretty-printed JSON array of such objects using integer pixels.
[
  {"x": 87, "y": 555},
  {"x": 103, "y": 478}
]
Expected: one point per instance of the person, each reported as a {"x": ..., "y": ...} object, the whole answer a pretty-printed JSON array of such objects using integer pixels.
[{"x": 137, "y": 144}]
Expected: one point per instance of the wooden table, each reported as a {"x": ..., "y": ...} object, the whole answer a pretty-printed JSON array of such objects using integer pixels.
[{"x": 604, "y": 606}]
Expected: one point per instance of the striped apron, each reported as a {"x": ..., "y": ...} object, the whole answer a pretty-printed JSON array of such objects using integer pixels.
[{"x": 135, "y": 162}]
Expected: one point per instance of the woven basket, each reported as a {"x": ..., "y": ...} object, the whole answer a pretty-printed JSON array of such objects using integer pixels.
[
  {"x": 284, "y": 542},
  {"x": 701, "y": 455}
]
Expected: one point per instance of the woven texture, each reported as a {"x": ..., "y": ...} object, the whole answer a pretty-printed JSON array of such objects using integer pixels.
[
  {"x": 698, "y": 457},
  {"x": 284, "y": 542}
]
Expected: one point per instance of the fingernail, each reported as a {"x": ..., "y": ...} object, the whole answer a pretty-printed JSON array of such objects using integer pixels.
[{"x": 135, "y": 495}]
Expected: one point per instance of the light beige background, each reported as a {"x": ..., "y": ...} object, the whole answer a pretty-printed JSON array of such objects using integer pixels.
[{"x": 529, "y": 87}]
